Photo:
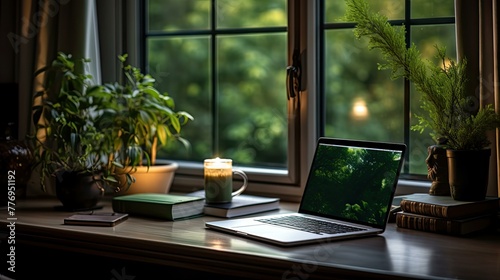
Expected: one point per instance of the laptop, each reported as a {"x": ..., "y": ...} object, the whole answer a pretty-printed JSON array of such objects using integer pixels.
[{"x": 348, "y": 194}]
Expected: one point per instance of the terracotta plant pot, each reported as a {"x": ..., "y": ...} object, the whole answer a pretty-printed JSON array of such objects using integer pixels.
[{"x": 468, "y": 174}]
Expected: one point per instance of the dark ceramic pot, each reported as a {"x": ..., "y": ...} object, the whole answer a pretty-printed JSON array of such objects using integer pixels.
[
  {"x": 78, "y": 191},
  {"x": 468, "y": 174}
]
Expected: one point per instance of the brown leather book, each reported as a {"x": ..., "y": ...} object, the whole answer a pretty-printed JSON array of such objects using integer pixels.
[
  {"x": 443, "y": 225},
  {"x": 447, "y": 207}
]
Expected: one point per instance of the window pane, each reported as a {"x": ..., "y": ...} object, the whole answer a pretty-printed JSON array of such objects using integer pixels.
[
  {"x": 175, "y": 15},
  {"x": 361, "y": 102},
  {"x": 234, "y": 85},
  {"x": 244, "y": 13},
  {"x": 425, "y": 37},
  {"x": 252, "y": 122},
  {"x": 432, "y": 8},
  {"x": 392, "y": 9},
  {"x": 180, "y": 66}
]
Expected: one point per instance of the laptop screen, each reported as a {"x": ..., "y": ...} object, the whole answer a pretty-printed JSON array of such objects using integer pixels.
[{"x": 353, "y": 182}]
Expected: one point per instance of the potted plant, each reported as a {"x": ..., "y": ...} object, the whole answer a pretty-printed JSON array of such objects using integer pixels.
[
  {"x": 141, "y": 119},
  {"x": 67, "y": 146},
  {"x": 450, "y": 111}
]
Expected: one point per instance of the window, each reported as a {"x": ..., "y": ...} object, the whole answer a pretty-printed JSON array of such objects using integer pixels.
[
  {"x": 362, "y": 102},
  {"x": 225, "y": 61}
]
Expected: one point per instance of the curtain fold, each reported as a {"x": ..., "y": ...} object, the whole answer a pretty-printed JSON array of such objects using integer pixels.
[
  {"x": 118, "y": 34},
  {"x": 38, "y": 29},
  {"x": 477, "y": 40}
]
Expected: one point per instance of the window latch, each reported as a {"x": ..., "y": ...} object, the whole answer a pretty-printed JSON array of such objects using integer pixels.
[{"x": 293, "y": 77}]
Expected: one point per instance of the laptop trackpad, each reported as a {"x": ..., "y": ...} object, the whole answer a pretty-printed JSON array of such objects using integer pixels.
[{"x": 275, "y": 232}]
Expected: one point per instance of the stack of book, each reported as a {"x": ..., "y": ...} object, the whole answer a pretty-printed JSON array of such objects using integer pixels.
[{"x": 443, "y": 214}]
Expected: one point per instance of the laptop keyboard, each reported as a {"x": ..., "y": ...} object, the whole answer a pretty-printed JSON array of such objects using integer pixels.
[{"x": 310, "y": 225}]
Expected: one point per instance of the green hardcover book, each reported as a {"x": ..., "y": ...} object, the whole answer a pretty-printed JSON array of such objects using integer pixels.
[{"x": 164, "y": 206}]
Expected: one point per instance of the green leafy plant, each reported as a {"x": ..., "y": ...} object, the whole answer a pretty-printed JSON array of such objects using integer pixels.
[
  {"x": 105, "y": 130},
  {"x": 451, "y": 112},
  {"x": 139, "y": 118},
  {"x": 66, "y": 138}
]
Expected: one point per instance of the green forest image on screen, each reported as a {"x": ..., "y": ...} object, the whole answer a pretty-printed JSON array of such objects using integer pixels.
[{"x": 339, "y": 175}]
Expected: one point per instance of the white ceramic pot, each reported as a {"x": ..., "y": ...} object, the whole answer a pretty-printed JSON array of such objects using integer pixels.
[{"x": 155, "y": 179}]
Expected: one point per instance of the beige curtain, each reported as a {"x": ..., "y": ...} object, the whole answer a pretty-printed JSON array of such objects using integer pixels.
[
  {"x": 37, "y": 29},
  {"x": 477, "y": 40}
]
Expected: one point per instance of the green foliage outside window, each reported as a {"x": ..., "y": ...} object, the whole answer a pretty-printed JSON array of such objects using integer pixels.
[
  {"x": 249, "y": 123},
  {"x": 243, "y": 116}
]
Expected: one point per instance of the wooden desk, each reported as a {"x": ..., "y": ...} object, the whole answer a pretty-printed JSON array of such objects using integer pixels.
[{"x": 154, "y": 249}]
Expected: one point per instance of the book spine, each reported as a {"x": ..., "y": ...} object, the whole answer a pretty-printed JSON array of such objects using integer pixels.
[
  {"x": 428, "y": 224},
  {"x": 424, "y": 208}
]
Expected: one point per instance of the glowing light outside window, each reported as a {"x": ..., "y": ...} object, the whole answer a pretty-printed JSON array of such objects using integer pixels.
[{"x": 359, "y": 110}]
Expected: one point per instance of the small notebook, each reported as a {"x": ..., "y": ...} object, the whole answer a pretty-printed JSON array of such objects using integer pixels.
[
  {"x": 348, "y": 194},
  {"x": 103, "y": 219}
]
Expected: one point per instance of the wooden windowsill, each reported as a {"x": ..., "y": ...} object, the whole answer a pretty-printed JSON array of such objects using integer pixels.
[{"x": 188, "y": 245}]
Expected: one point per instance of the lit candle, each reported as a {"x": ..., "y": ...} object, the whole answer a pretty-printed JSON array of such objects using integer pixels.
[
  {"x": 218, "y": 163},
  {"x": 218, "y": 174}
]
